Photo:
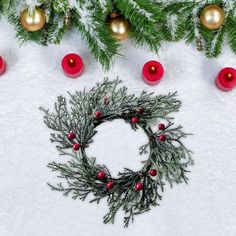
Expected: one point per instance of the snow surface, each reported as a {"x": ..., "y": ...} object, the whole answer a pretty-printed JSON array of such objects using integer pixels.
[{"x": 205, "y": 207}]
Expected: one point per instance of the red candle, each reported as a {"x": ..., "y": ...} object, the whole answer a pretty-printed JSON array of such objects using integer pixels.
[
  {"x": 153, "y": 72},
  {"x": 72, "y": 65},
  {"x": 2, "y": 66},
  {"x": 226, "y": 79}
]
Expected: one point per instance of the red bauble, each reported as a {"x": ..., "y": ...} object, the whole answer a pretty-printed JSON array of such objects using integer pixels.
[
  {"x": 72, "y": 65},
  {"x": 161, "y": 126},
  {"x": 153, "y": 172},
  {"x": 134, "y": 120},
  {"x": 162, "y": 137},
  {"x": 138, "y": 186},
  {"x": 76, "y": 146},
  {"x": 101, "y": 175},
  {"x": 141, "y": 110},
  {"x": 71, "y": 136},
  {"x": 110, "y": 185},
  {"x": 106, "y": 101},
  {"x": 98, "y": 114}
]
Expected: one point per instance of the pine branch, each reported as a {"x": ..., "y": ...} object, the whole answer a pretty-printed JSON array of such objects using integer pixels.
[
  {"x": 1, "y": 7},
  {"x": 91, "y": 24},
  {"x": 152, "y": 22},
  {"x": 231, "y": 29},
  {"x": 215, "y": 43},
  {"x": 144, "y": 18},
  {"x": 183, "y": 21}
]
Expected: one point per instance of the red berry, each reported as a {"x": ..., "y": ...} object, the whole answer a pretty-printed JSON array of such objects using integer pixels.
[
  {"x": 71, "y": 136},
  {"x": 138, "y": 186},
  {"x": 76, "y": 146},
  {"x": 101, "y": 175},
  {"x": 134, "y": 120},
  {"x": 161, "y": 126},
  {"x": 98, "y": 114},
  {"x": 153, "y": 172},
  {"x": 141, "y": 110},
  {"x": 162, "y": 138},
  {"x": 110, "y": 185},
  {"x": 106, "y": 101}
]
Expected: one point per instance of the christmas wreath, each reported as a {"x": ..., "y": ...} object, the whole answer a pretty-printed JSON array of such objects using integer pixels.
[{"x": 133, "y": 191}]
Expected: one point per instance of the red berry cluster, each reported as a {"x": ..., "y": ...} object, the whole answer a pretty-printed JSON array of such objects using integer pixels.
[
  {"x": 141, "y": 110},
  {"x": 71, "y": 136},
  {"x": 162, "y": 137},
  {"x": 135, "y": 119},
  {"x": 98, "y": 114},
  {"x": 139, "y": 186},
  {"x": 153, "y": 172},
  {"x": 76, "y": 146},
  {"x": 102, "y": 175}
]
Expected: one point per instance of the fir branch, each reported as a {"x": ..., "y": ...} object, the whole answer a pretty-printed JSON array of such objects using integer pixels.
[
  {"x": 231, "y": 29},
  {"x": 1, "y": 7},
  {"x": 215, "y": 43},
  {"x": 151, "y": 21},
  {"x": 144, "y": 18},
  {"x": 92, "y": 26},
  {"x": 186, "y": 24}
]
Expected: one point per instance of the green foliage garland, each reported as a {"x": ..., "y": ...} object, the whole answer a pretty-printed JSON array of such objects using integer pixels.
[
  {"x": 103, "y": 103},
  {"x": 152, "y": 22}
]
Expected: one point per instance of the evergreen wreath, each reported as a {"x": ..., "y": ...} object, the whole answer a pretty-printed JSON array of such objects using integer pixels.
[
  {"x": 74, "y": 127},
  {"x": 152, "y": 22}
]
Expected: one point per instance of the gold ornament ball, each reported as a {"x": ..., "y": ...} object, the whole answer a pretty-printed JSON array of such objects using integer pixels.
[
  {"x": 212, "y": 17},
  {"x": 119, "y": 28},
  {"x": 33, "y": 21}
]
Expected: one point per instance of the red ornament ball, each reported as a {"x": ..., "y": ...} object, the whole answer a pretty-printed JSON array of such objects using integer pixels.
[
  {"x": 138, "y": 186},
  {"x": 76, "y": 146},
  {"x": 134, "y": 120},
  {"x": 110, "y": 185},
  {"x": 161, "y": 127},
  {"x": 101, "y": 175},
  {"x": 71, "y": 135},
  {"x": 98, "y": 114},
  {"x": 141, "y": 110},
  {"x": 162, "y": 137},
  {"x": 153, "y": 172}
]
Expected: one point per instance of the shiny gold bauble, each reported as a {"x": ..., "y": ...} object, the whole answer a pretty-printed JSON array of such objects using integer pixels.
[
  {"x": 119, "y": 28},
  {"x": 212, "y": 17},
  {"x": 33, "y": 21}
]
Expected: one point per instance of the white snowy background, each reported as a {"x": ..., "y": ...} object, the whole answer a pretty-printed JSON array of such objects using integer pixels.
[{"x": 205, "y": 207}]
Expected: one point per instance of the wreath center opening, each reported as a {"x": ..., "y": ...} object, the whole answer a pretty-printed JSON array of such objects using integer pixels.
[{"x": 116, "y": 145}]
